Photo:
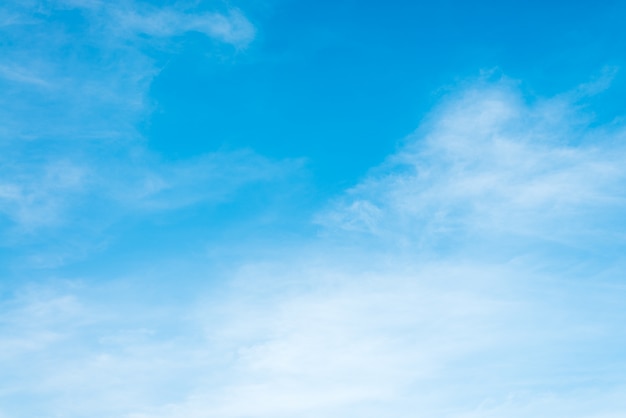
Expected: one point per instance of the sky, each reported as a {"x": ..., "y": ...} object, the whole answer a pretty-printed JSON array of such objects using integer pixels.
[{"x": 290, "y": 208}]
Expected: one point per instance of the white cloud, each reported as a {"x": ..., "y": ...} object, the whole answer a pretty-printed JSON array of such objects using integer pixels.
[
  {"x": 37, "y": 194},
  {"x": 339, "y": 327},
  {"x": 486, "y": 163},
  {"x": 75, "y": 76},
  {"x": 128, "y": 19},
  {"x": 299, "y": 339},
  {"x": 57, "y": 210},
  {"x": 49, "y": 193},
  {"x": 21, "y": 75},
  {"x": 89, "y": 77},
  {"x": 232, "y": 28}
]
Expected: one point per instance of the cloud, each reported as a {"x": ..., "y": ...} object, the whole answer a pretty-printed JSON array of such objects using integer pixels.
[
  {"x": 232, "y": 28},
  {"x": 47, "y": 193},
  {"x": 298, "y": 339},
  {"x": 36, "y": 194},
  {"x": 488, "y": 164},
  {"x": 85, "y": 67},
  {"x": 59, "y": 209},
  {"x": 75, "y": 77},
  {"x": 431, "y": 292}
]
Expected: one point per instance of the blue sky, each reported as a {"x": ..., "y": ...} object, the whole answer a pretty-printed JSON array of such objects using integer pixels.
[{"x": 299, "y": 209}]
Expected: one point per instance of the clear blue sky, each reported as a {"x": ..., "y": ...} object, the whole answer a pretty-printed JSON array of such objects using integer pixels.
[{"x": 281, "y": 208}]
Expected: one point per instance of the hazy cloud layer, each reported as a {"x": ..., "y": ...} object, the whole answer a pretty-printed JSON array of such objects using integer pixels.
[{"x": 372, "y": 319}]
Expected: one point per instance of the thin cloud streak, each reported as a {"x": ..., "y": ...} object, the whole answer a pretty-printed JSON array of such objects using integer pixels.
[
  {"x": 48, "y": 193},
  {"x": 232, "y": 28}
]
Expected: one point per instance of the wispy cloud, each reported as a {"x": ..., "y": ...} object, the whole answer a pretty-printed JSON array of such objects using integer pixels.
[
  {"x": 72, "y": 202},
  {"x": 231, "y": 28},
  {"x": 126, "y": 19},
  {"x": 21, "y": 75},
  {"x": 47, "y": 193},
  {"x": 296, "y": 339},
  {"x": 75, "y": 77},
  {"x": 488, "y": 164},
  {"x": 83, "y": 67},
  {"x": 468, "y": 316},
  {"x": 35, "y": 195}
]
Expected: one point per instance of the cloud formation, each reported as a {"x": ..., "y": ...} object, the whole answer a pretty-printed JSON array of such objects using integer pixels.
[
  {"x": 84, "y": 67},
  {"x": 495, "y": 324},
  {"x": 232, "y": 28},
  {"x": 486, "y": 163},
  {"x": 75, "y": 77}
]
